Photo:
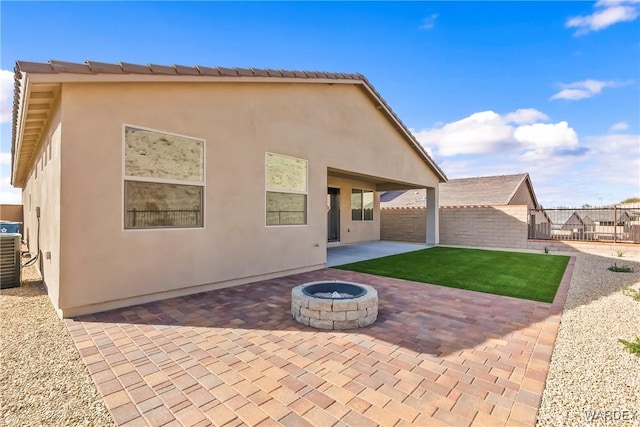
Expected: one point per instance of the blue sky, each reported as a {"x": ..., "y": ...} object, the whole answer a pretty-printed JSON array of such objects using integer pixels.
[{"x": 549, "y": 88}]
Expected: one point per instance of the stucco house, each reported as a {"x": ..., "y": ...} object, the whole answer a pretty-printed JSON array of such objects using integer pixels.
[
  {"x": 477, "y": 211},
  {"x": 143, "y": 182}
]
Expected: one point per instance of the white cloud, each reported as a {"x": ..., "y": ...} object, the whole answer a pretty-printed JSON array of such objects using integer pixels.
[
  {"x": 602, "y": 3},
  {"x": 620, "y": 126},
  {"x": 609, "y": 168},
  {"x": 6, "y": 95},
  {"x": 429, "y": 22},
  {"x": 607, "y": 13},
  {"x": 628, "y": 145},
  {"x": 525, "y": 116},
  {"x": 10, "y": 198},
  {"x": 5, "y": 158},
  {"x": 547, "y": 140},
  {"x": 584, "y": 89},
  {"x": 488, "y": 132},
  {"x": 615, "y": 161},
  {"x": 8, "y": 194},
  {"x": 479, "y": 133}
]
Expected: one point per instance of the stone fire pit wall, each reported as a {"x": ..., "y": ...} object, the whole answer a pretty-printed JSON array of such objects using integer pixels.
[{"x": 334, "y": 313}]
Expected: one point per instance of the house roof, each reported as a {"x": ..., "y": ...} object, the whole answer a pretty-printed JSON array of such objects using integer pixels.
[
  {"x": 603, "y": 215},
  {"x": 32, "y": 107},
  {"x": 478, "y": 191}
]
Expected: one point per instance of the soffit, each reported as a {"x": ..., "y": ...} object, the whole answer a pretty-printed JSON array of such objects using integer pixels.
[{"x": 33, "y": 117}]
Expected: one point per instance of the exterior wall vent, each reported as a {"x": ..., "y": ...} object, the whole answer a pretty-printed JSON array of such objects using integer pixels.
[{"x": 9, "y": 260}]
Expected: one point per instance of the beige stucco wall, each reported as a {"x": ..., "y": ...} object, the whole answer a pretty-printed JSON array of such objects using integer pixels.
[
  {"x": 404, "y": 224},
  {"x": 42, "y": 189},
  {"x": 331, "y": 126},
  {"x": 492, "y": 226}
]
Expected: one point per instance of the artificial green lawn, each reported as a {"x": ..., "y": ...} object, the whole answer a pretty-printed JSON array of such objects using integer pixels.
[{"x": 515, "y": 274}]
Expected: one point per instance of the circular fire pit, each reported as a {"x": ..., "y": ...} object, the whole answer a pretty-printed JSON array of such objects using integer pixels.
[{"x": 334, "y": 304}]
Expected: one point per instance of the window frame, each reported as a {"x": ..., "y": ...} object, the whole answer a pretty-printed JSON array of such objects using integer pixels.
[
  {"x": 305, "y": 193},
  {"x": 152, "y": 180},
  {"x": 361, "y": 192}
]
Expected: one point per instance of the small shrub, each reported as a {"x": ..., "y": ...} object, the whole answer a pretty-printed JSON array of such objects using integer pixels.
[
  {"x": 620, "y": 269},
  {"x": 631, "y": 292},
  {"x": 633, "y": 347},
  {"x": 546, "y": 249},
  {"x": 620, "y": 253}
]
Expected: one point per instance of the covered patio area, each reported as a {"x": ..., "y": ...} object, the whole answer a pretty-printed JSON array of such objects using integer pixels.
[{"x": 235, "y": 356}]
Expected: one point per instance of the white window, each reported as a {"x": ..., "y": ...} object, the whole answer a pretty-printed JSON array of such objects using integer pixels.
[
  {"x": 361, "y": 205},
  {"x": 286, "y": 188},
  {"x": 163, "y": 179}
]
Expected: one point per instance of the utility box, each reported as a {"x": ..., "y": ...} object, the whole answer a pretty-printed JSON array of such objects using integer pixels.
[
  {"x": 10, "y": 227},
  {"x": 10, "y": 260}
]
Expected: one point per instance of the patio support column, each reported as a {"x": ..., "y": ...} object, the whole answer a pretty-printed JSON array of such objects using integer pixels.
[{"x": 433, "y": 231}]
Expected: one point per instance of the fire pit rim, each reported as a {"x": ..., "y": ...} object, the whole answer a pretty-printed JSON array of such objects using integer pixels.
[{"x": 341, "y": 285}]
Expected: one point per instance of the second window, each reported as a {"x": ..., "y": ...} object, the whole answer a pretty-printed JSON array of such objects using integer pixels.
[{"x": 361, "y": 205}]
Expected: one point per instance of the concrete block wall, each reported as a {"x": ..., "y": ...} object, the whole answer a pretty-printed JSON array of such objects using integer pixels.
[
  {"x": 484, "y": 226},
  {"x": 503, "y": 227},
  {"x": 403, "y": 224},
  {"x": 11, "y": 213}
]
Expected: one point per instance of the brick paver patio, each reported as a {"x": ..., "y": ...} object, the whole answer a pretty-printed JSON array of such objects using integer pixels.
[{"x": 435, "y": 356}]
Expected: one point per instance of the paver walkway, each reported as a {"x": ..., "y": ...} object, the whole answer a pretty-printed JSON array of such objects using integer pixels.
[{"x": 435, "y": 356}]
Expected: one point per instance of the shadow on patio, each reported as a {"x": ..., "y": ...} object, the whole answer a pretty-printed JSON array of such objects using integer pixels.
[{"x": 423, "y": 318}]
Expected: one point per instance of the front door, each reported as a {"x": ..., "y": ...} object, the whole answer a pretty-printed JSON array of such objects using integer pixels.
[{"x": 333, "y": 215}]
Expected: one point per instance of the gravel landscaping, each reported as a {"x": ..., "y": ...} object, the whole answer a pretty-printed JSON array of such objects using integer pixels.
[
  {"x": 592, "y": 379},
  {"x": 42, "y": 378}
]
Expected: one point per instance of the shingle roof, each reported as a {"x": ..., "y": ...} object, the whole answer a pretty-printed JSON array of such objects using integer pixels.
[
  {"x": 600, "y": 215},
  {"x": 478, "y": 191},
  {"x": 94, "y": 67},
  {"x": 123, "y": 68}
]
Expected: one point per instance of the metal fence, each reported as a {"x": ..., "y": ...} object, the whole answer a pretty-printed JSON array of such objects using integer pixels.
[
  {"x": 163, "y": 218},
  {"x": 607, "y": 224}
]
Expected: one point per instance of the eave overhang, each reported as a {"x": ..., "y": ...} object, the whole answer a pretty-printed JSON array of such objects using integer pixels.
[{"x": 37, "y": 86}]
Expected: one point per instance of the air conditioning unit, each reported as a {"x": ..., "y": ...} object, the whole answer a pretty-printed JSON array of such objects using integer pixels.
[{"x": 9, "y": 260}]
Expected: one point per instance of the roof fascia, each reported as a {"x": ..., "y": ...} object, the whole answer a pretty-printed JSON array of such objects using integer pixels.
[
  {"x": 36, "y": 78},
  {"x": 25, "y": 92},
  {"x": 141, "y": 78}
]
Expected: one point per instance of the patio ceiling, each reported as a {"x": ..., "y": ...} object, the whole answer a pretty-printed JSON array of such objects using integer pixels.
[{"x": 381, "y": 183}]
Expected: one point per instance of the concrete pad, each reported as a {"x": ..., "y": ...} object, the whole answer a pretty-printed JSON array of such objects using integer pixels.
[{"x": 345, "y": 254}]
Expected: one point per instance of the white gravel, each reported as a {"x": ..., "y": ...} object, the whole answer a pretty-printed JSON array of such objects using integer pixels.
[
  {"x": 591, "y": 372},
  {"x": 43, "y": 381}
]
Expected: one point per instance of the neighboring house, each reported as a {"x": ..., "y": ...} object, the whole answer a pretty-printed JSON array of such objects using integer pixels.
[
  {"x": 476, "y": 191},
  {"x": 604, "y": 223},
  {"x": 480, "y": 211},
  {"x": 605, "y": 218},
  {"x": 567, "y": 224},
  {"x": 142, "y": 182}
]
